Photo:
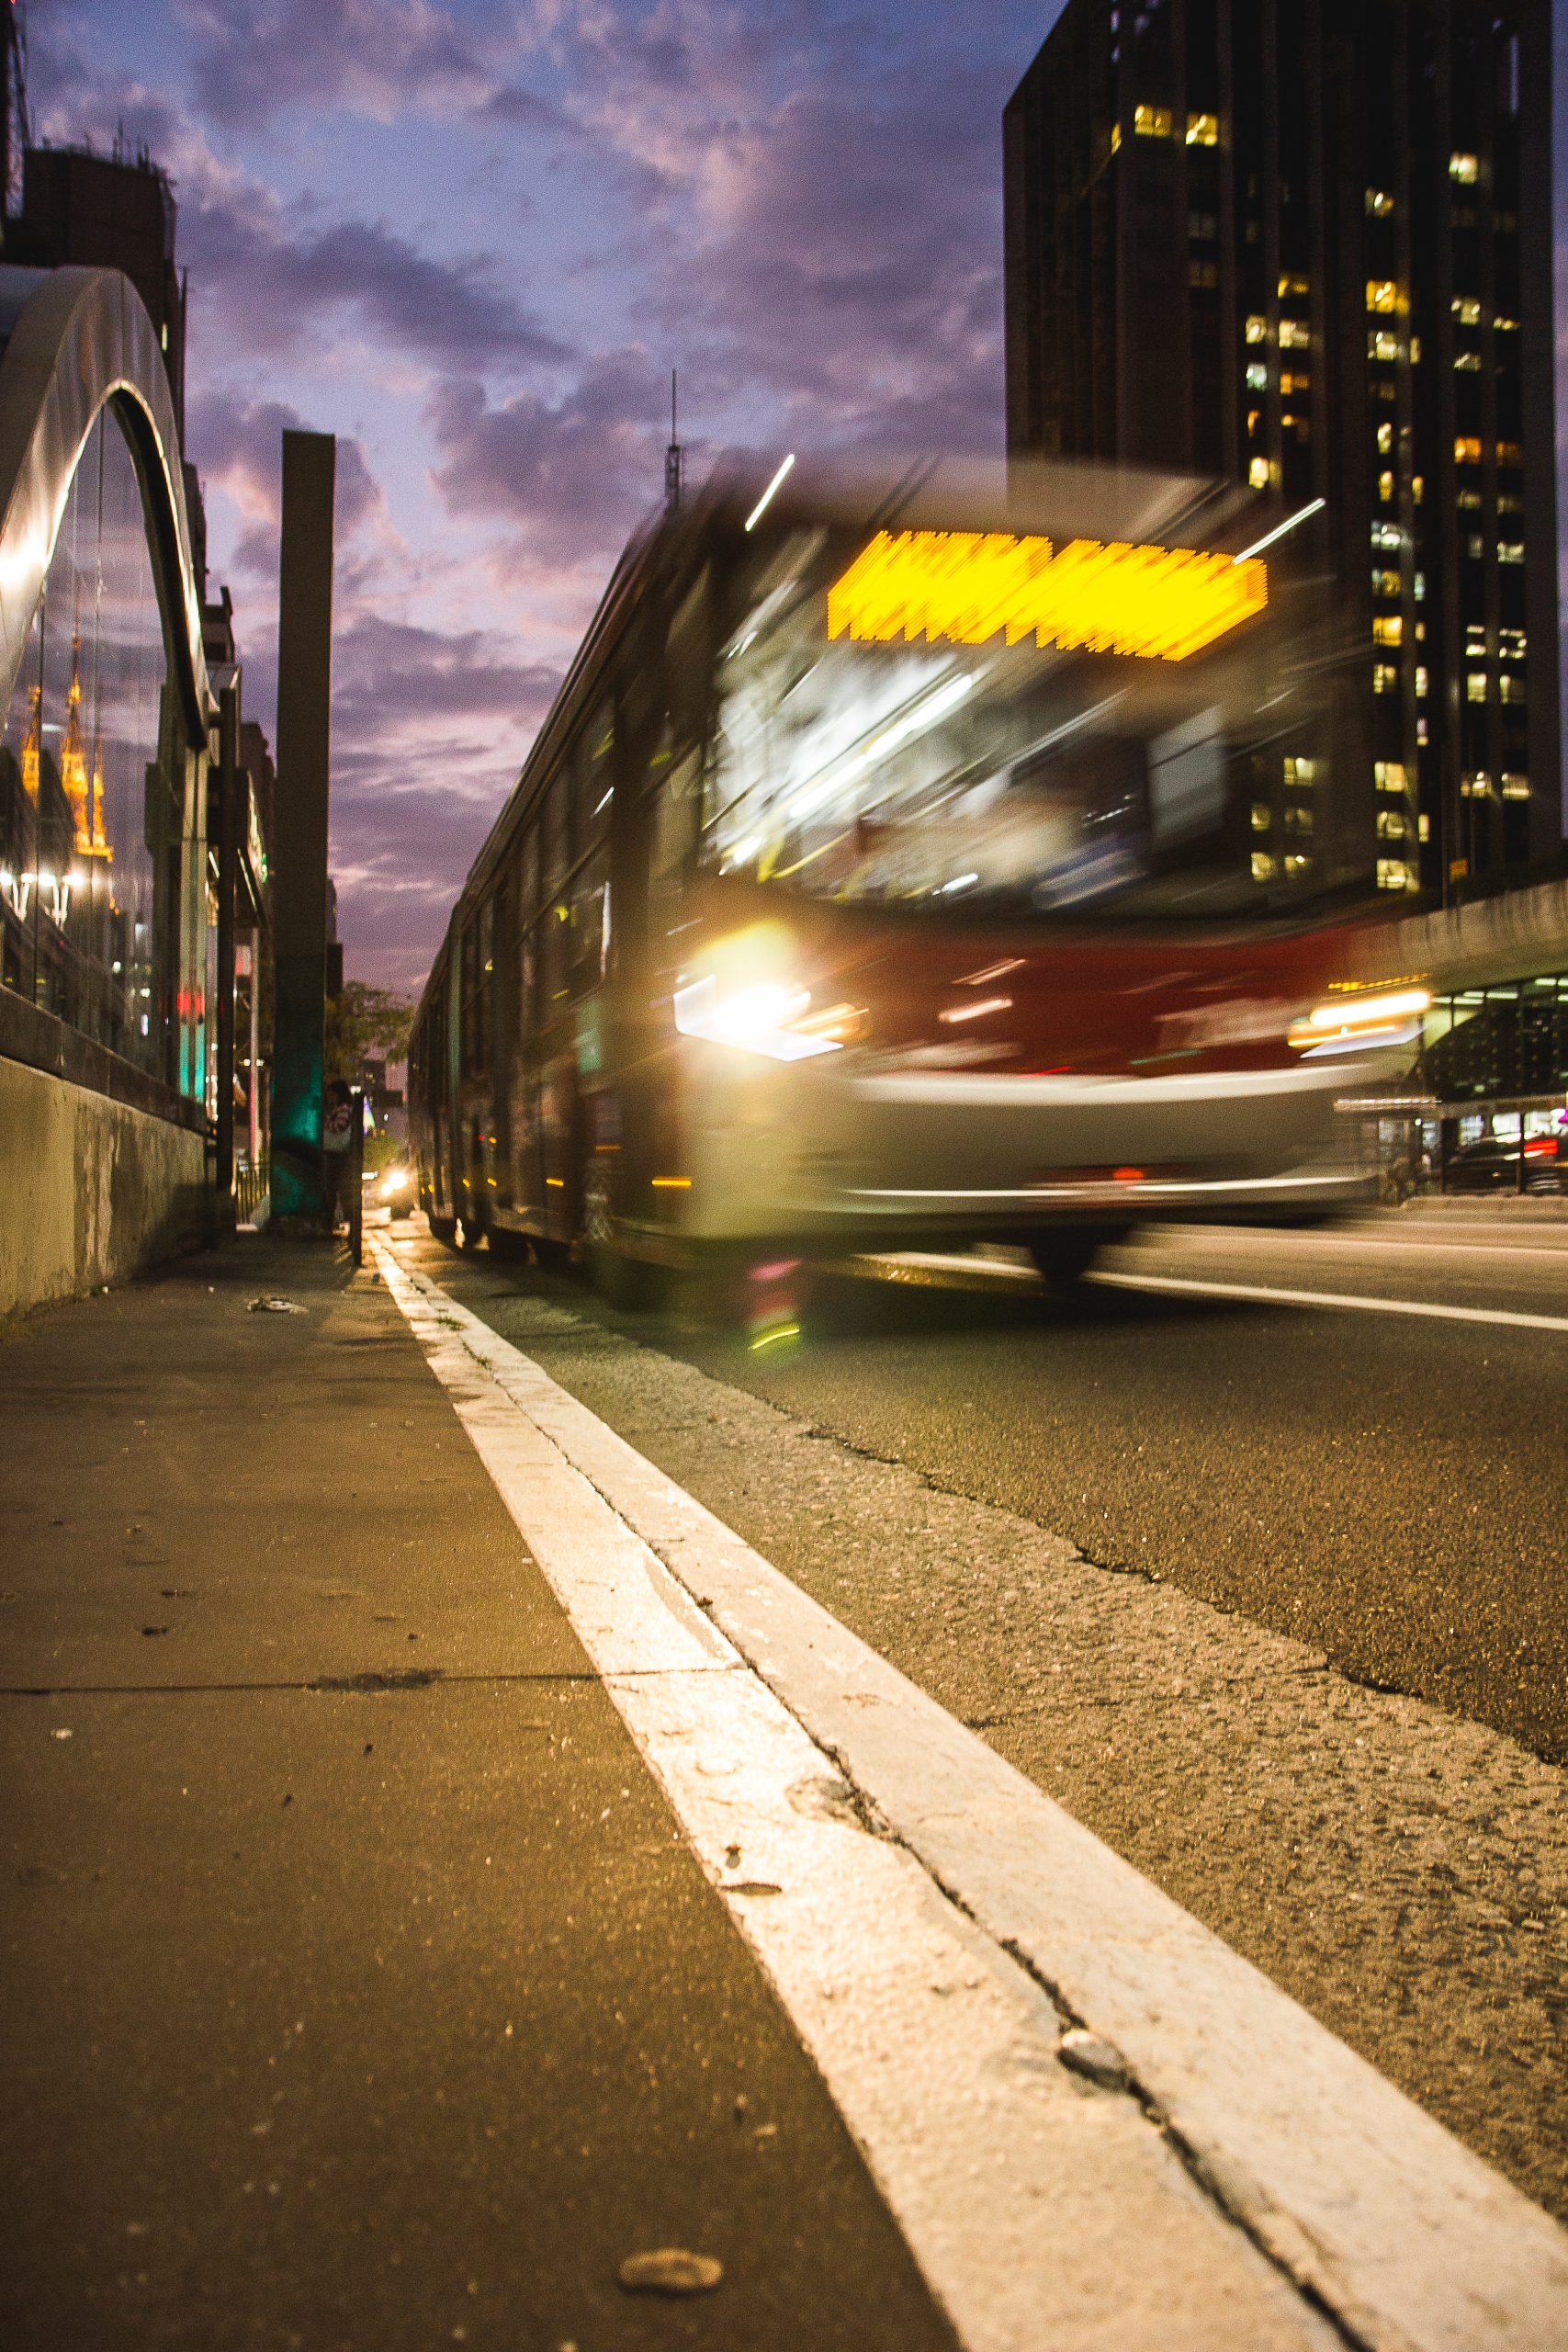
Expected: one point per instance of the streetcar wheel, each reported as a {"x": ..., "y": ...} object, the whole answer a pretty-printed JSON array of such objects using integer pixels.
[
  {"x": 1065, "y": 1258},
  {"x": 444, "y": 1228}
]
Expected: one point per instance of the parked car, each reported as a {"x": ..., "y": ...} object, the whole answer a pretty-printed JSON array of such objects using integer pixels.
[{"x": 1491, "y": 1164}]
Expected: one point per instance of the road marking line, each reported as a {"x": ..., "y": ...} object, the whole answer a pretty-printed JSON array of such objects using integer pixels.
[
  {"x": 1039, "y": 2212},
  {"x": 1408, "y": 2238},
  {"x": 1270, "y": 1296}
]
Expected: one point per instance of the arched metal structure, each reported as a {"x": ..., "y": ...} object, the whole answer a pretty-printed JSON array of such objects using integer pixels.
[
  {"x": 76, "y": 341},
  {"x": 105, "y": 1069}
]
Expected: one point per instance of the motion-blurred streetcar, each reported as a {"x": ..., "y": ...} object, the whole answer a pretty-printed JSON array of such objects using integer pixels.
[{"x": 886, "y": 876}]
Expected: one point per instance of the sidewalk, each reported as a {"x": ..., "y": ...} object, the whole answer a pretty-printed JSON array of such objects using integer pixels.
[{"x": 361, "y": 1990}]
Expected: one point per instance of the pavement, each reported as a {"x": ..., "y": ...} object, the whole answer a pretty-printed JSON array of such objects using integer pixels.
[
  {"x": 449, "y": 1865},
  {"x": 361, "y": 1989}
]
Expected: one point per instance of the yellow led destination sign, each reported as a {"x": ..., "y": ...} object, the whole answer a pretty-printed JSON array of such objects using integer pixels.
[{"x": 969, "y": 586}]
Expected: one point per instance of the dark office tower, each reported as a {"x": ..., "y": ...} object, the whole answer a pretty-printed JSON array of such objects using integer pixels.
[
  {"x": 107, "y": 212},
  {"x": 1309, "y": 243}
]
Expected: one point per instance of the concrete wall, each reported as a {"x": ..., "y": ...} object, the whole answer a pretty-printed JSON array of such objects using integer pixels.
[{"x": 90, "y": 1190}]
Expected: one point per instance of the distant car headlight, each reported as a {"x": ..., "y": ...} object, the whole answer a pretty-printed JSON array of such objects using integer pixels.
[{"x": 398, "y": 1180}]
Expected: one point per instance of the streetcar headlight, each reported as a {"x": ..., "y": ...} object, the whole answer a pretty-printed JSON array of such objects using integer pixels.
[
  {"x": 1347, "y": 1023},
  {"x": 772, "y": 1017}
]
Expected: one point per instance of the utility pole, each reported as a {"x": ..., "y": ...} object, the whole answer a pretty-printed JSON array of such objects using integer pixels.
[
  {"x": 300, "y": 890},
  {"x": 674, "y": 459}
]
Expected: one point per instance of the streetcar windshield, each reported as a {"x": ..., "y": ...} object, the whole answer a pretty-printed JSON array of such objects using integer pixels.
[{"x": 1001, "y": 778}]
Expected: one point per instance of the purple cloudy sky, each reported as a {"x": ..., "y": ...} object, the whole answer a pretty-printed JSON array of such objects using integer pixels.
[{"x": 471, "y": 237}]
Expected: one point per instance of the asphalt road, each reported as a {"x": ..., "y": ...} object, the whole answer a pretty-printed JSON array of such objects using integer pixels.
[
  {"x": 1390, "y": 1487},
  {"x": 1270, "y": 1596}
]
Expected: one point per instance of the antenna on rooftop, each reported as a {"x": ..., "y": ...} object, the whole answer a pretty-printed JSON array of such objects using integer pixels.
[{"x": 674, "y": 457}]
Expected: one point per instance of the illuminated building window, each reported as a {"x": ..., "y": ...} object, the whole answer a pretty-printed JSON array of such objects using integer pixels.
[
  {"x": 1467, "y": 449},
  {"x": 1389, "y": 775},
  {"x": 1511, "y": 551},
  {"x": 1301, "y": 773},
  {"x": 1256, "y": 328},
  {"x": 1422, "y": 736},
  {"x": 1513, "y": 642},
  {"x": 1296, "y": 384},
  {"x": 1516, "y": 787},
  {"x": 1379, "y": 203},
  {"x": 1385, "y": 439},
  {"x": 1151, "y": 123},
  {"x": 1420, "y": 632},
  {"x": 1385, "y": 583},
  {"x": 1257, "y": 376},
  {"x": 1390, "y": 825},
  {"x": 1382, "y": 345},
  {"x": 1475, "y": 546},
  {"x": 1257, "y": 473},
  {"x": 1419, "y": 584},
  {"x": 1386, "y": 678},
  {"x": 1300, "y": 426},
  {"x": 1203, "y": 225},
  {"x": 1115, "y": 137},
  {"x": 1393, "y": 873},
  {"x": 1511, "y": 453},
  {"x": 1202, "y": 131},
  {"x": 1385, "y": 487},
  {"x": 1382, "y": 296},
  {"x": 1468, "y": 363},
  {"x": 1416, "y": 351},
  {"x": 1509, "y": 503},
  {"x": 1202, "y": 273},
  {"x": 1254, "y": 419},
  {"x": 1464, "y": 168},
  {"x": 1506, "y": 326},
  {"x": 1418, "y": 488},
  {"x": 1423, "y": 829},
  {"x": 1264, "y": 867},
  {"x": 1388, "y": 630},
  {"x": 1470, "y": 500},
  {"x": 1295, "y": 335},
  {"x": 1475, "y": 686},
  {"x": 1296, "y": 286},
  {"x": 1298, "y": 820},
  {"x": 1386, "y": 535},
  {"x": 1466, "y": 310},
  {"x": 1298, "y": 863},
  {"x": 1262, "y": 816},
  {"x": 1420, "y": 683},
  {"x": 1475, "y": 787},
  {"x": 1511, "y": 689}
]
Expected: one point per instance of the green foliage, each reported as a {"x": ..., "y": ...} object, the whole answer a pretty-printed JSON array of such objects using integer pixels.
[{"x": 365, "y": 1024}]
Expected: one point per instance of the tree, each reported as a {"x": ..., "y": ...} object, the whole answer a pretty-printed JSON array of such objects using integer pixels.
[{"x": 365, "y": 1024}]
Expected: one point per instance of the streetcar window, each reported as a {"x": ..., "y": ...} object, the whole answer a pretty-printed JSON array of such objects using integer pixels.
[
  {"x": 959, "y": 776},
  {"x": 590, "y": 921}
]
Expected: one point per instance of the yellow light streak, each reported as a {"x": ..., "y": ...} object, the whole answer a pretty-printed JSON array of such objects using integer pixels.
[
  {"x": 671, "y": 1184},
  {"x": 965, "y": 587}
]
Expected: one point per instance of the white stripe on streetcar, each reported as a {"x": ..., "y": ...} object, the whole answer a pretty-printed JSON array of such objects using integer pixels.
[
  {"x": 1265, "y": 1294},
  {"x": 1037, "y": 2218}
]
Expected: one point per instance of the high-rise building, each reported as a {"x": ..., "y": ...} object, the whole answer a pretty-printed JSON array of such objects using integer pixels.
[
  {"x": 1308, "y": 242},
  {"x": 107, "y": 212}
]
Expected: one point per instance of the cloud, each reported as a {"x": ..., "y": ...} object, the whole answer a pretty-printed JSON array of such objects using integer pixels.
[
  {"x": 278, "y": 276},
  {"x": 387, "y": 59},
  {"x": 570, "y": 476},
  {"x": 237, "y": 447}
]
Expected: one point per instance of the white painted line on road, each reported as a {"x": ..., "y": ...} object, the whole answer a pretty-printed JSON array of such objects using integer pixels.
[
  {"x": 1041, "y": 2210},
  {"x": 1267, "y": 1295},
  {"x": 1037, "y": 2219}
]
